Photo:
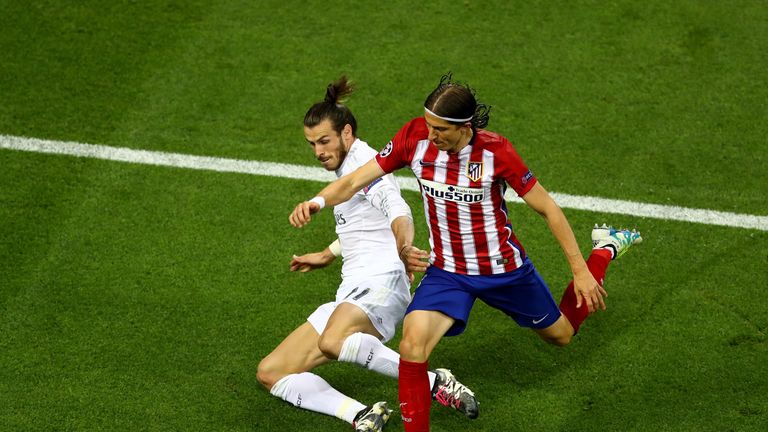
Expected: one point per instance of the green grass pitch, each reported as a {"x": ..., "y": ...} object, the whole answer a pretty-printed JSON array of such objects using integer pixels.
[{"x": 135, "y": 297}]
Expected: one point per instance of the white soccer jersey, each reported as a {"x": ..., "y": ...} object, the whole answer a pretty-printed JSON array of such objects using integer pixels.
[{"x": 367, "y": 243}]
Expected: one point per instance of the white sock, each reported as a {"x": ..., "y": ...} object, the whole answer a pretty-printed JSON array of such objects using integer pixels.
[
  {"x": 368, "y": 351},
  {"x": 309, "y": 391}
]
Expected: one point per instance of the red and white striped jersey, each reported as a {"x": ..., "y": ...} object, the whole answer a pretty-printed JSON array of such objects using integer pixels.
[{"x": 463, "y": 194}]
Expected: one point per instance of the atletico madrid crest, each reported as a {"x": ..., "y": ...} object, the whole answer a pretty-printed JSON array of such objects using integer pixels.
[{"x": 475, "y": 171}]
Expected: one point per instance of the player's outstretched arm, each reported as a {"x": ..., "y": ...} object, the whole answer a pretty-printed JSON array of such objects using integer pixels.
[
  {"x": 585, "y": 286},
  {"x": 336, "y": 192}
]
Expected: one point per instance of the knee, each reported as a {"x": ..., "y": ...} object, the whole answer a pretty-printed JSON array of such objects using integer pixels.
[
  {"x": 268, "y": 373},
  {"x": 560, "y": 341},
  {"x": 559, "y": 334},
  {"x": 330, "y": 345},
  {"x": 412, "y": 349}
]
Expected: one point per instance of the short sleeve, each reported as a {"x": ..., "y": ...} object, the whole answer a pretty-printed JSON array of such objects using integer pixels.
[
  {"x": 399, "y": 151},
  {"x": 512, "y": 169}
]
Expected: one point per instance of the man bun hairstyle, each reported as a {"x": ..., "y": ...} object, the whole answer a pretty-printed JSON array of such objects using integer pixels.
[
  {"x": 456, "y": 103},
  {"x": 332, "y": 107}
]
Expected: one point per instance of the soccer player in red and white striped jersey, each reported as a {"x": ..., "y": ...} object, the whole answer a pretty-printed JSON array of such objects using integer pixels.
[
  {"x": 463, "y": 171},
  {"x": 463, "y": 196}
]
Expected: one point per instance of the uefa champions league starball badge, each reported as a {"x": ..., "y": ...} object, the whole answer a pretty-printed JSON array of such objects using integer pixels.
[{"x": 386, "y": 150}]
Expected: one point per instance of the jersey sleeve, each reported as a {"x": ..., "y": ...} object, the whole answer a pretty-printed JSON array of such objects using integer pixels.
[
  {"x": 384, "y": 195},
  {"x": 399, "y": 151},
  {"x": 513, "y": 170}
]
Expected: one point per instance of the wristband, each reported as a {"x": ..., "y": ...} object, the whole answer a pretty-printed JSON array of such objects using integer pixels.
[
  {"x": 335, "y": 247},
  {"x": 319, "y": 201}
]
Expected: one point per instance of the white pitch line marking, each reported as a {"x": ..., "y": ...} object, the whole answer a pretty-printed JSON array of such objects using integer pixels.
[{"x": 272, "y": 169}]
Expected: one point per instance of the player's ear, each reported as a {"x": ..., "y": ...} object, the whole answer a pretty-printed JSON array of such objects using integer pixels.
[{"x": 346, "y": 133}]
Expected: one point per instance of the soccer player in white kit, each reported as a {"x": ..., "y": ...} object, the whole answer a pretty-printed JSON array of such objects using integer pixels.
[{"x": 374, "y": 293}]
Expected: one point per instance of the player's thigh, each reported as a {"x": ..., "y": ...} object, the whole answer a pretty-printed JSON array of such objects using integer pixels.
[
  {"x": 383, "y": 298},
  {"x": 348, "y": 319},
  {"x": 522, "y": 294},
  {"x": 443, "y": 292},
  {"x": 295, "y": 354}
]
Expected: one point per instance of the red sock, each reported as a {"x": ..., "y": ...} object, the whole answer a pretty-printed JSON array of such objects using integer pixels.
[
  {"x": 597, "y": 263},
  {"x": 415, "y": 396}
]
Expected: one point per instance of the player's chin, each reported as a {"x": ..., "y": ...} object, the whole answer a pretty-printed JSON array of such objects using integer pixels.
[{"x": 329, "y": 165}]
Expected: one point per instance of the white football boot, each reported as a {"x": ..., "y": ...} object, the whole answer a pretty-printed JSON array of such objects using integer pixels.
[{"x": 618, "y": 241}]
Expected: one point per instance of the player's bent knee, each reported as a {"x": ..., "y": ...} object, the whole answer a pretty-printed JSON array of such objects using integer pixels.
[
  {"x": 412, "y": 351},
  {"x": 330, "y": 346},
  {"x": 563, "y": 341},
  {"x": 267, "y": 374},
  {"x": 560, "y": 341},
  {"x": 559, "y": 334},
  {"x": 557, "y": 338}
]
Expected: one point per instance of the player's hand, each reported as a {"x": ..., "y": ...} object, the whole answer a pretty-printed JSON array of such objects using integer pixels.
[
  {"x": 415, "y": 259},
  {"x": 588, "y": 291},
  {"x": 311, "y": 261},
  {"x": 303, "y": 212}
]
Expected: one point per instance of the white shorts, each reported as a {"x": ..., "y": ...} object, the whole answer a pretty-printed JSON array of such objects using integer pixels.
[{"x": 383, "y": 298}]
